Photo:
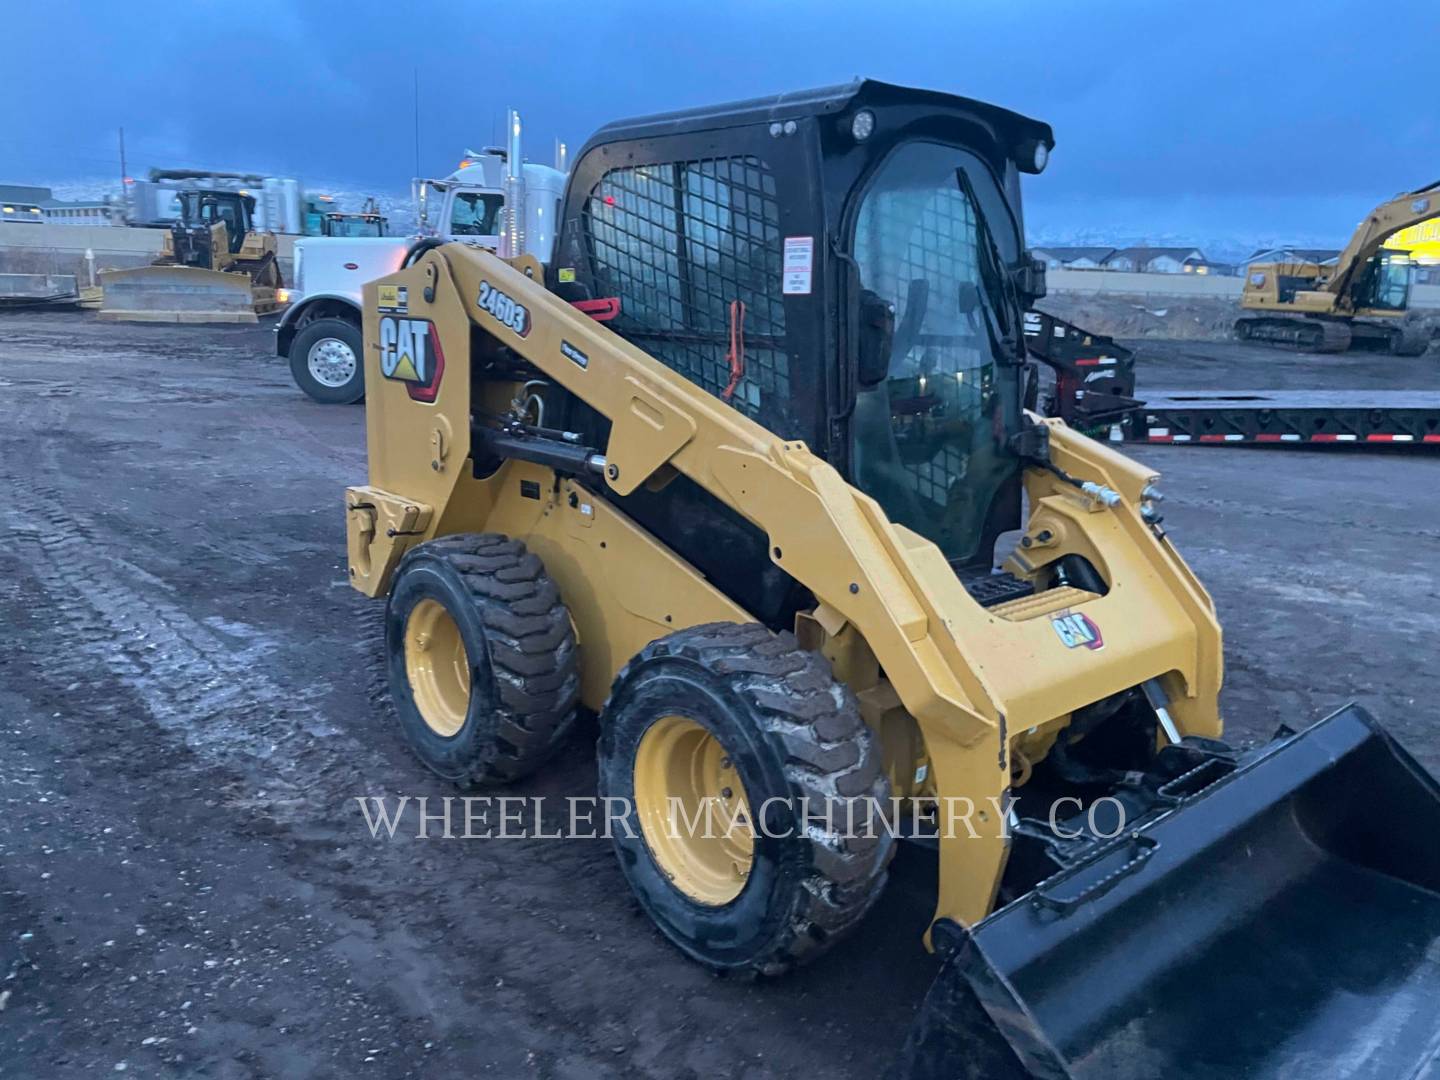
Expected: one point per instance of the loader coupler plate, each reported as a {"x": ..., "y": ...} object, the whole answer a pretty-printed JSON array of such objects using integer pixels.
[
  {"x": 1282, "y": 922},
  {"x": 179, "y": 294}
]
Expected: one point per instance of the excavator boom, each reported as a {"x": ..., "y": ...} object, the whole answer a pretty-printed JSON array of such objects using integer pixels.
[{"x": 1404, "y": 210}]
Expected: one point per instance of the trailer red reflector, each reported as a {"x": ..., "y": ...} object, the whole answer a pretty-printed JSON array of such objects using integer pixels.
[
  {"x": 1389, "y": 438},
  {"x": 1431, "y": 438},
  {"x": 1212, "y": 438},
  {"x": 1266, "y": 436},
  {"x": 1162, "y": 438}
]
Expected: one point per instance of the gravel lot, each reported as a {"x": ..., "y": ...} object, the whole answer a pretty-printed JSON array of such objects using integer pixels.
[{"x": 191, "y": 700}]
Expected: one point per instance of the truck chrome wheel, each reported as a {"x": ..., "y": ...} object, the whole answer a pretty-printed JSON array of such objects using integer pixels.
[
  {"x": 331, "y": 362},
  {"x": 693, "y": 811},
  {"x": 438, "y": 668}
]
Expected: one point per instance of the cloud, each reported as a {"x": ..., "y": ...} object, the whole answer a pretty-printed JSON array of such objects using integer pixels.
[{"x": 1225, "y": 112}]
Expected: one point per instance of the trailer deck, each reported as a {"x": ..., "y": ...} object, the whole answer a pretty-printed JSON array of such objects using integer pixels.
[{"x": 1286, "y": 416}]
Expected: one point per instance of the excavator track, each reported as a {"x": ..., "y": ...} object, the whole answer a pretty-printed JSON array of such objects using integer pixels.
[{"x": 1309, "y": 335}]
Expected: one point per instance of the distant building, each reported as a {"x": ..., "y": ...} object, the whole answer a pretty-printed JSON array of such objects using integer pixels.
[
  {"x": 1159, "y": 260},
  {"x": 38, "y": 205},
  {"x": 1073, "y": 258},
  {"x": 78, "y": 212},
  {"x": 19, "y": 203}
]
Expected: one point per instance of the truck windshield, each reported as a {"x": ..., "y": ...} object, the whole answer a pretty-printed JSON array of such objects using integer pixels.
[
  {"x": 476, "y": 214},
  {"x": 930, "y": 442}
]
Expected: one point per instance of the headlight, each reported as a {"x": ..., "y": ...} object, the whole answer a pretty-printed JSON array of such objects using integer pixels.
[
  {"x": 863, "y": 125},
  {"x": 1032, "y": 156}
]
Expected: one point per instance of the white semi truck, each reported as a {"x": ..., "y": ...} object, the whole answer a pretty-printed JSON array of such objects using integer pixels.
[{"x": 493, "y": 200}]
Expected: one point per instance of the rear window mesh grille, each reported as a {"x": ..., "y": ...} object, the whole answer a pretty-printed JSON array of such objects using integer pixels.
[{"x": 677, "y": 242}]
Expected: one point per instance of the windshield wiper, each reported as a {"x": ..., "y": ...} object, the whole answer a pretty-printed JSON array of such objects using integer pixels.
[{"x": 992, "y": 274}]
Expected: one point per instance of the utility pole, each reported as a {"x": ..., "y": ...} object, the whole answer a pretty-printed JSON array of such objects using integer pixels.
[
  {"x": 415, "y": 74},
  {"x": 124, "y": 178}
]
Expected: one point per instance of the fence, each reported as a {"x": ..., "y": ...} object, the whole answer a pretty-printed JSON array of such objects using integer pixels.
[{"x": 1187, "y": 286}]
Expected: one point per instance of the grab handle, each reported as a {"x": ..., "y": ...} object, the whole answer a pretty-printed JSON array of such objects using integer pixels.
[{"x": 1097, "y": 875}]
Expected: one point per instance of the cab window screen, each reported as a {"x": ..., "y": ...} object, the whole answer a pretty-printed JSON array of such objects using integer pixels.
[{"x": 678, "y": 243}]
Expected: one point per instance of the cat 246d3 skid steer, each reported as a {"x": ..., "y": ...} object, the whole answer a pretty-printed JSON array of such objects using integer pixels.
[{"x": 731, "y": 470}]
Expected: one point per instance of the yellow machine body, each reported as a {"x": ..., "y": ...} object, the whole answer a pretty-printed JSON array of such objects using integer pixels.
[
  {"x": 237, "y": 287},
  {"x": 969, "y": 696},
  {"x": 1361, "y": 297}
]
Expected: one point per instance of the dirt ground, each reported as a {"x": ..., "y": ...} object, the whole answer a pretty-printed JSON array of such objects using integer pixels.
[
  {"x": 1173, "y": 318},
  {"x": 191, "y": 700}
]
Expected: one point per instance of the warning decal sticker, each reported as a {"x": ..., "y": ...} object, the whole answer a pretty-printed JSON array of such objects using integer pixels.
[{"x": 799, "y": 265}]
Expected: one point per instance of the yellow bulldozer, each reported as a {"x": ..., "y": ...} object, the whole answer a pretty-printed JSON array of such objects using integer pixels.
[
  {"x": 214, "y": 266},
  {"x": 744, "y": 470},
  {"x": 1359, "y": 302}
]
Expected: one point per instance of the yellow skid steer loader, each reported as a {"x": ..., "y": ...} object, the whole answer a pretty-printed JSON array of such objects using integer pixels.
[
  {"x": 734, "y": 471},
  {"x": 213, "y": 267}
]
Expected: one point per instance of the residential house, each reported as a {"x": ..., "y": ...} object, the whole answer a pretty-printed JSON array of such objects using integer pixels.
[
  {"x": 1159, "y": 260},
  {"x": 1072, "y": 258}
]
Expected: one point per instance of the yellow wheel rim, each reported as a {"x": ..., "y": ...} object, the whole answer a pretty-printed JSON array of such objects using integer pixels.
[
  {"x": 693, "y": 811},
  {"x": 437, "y": 667}
]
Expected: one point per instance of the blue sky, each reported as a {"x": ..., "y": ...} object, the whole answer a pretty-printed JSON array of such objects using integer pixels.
[{"x": 1216, "y": 118}]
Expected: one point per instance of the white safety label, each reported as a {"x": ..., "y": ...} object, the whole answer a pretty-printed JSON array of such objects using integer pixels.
[{"x": 799, "y": 265}]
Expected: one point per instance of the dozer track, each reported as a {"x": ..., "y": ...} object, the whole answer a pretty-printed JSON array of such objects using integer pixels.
[{"x": 1297, "y": 332}]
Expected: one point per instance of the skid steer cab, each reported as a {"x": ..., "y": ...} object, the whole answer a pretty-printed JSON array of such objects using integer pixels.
[{"x": 745, "y": 471}]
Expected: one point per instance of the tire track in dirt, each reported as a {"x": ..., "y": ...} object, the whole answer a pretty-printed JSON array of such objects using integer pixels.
[{"x": 202, "y": 681}]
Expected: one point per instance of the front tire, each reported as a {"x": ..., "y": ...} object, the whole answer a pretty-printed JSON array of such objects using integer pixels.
[
  {"x": 326, "y": 361},
  {"x": 744, "y": 718},
  {"x": 483, "y": 666}
]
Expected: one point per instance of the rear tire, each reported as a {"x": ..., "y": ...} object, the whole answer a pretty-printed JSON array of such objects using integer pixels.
[
  {"x": 769, "y": 725},
  {"x": 326, "y": 361},
  {"x": 484, "y": 672}
]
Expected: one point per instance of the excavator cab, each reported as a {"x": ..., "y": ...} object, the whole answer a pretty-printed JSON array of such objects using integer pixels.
[{"x": 1384, "y": 284}]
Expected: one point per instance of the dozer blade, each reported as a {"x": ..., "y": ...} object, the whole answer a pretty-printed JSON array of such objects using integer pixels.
[
  {"x": 179, "y": 294},
  {"x": 1283, "y": 921}
]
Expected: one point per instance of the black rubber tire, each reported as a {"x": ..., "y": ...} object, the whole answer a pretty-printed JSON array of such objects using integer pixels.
[
  {"x": 331, "y": 327},
  {"x": 519, "y": 641},
  {"x": 792, "y": 731}
]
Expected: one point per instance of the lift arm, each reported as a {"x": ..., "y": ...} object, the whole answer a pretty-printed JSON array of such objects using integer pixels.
[{"x": 971, "y": 678}]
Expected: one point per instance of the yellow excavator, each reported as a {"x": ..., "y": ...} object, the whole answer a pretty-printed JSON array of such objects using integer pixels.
[
  {"x": 214, "y": 266},
  {"x": 1359, "y": 302},
  {"x": 744, "y": 470}
]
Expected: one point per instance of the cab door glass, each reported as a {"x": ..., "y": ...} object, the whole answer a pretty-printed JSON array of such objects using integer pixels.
[{"x": 928, "y": 441}]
